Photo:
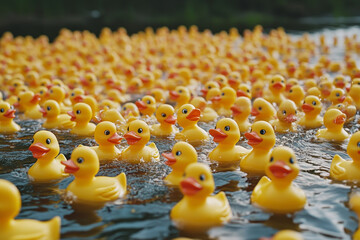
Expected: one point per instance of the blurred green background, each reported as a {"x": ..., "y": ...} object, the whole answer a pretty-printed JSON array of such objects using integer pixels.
[{"x": 36, "y": 17}]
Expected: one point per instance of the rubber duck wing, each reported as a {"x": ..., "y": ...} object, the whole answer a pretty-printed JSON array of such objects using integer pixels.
[
  {"x": 224, "y": 209},
  {"x": 52, "y": 231},
  {"x": 259, "y": 187},
  {"x": 122, "y": 180},
  {"x": 66, "y": 122},
  {"x": 336, "y": 169},
  {"x": 61, "y": 158},
  {"x": 180, "y": 136},
  {"x": 109, "y": 192},
  {"x": 30, "y": 236},
  {"x": 155, "y": 152}
]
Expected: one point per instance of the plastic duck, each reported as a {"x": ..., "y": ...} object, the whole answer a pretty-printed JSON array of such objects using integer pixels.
[
  {"x": 354, "y": 204},
  {"x": 340, "y": 81},
  {"x": 243, "y": 91},
  {"x": 188, "y": 116},
  {"x": 51, "y": 111},
  {"x": 105, "y": 135},
  {"x": 354, "y": 92},
  {"x": 296, "y": 94},
  {"x": 285, "y": 235},
  {"x": 7, "y": 115},
  {"x": 234, "y": 79},
  {"x": 89, "y": 83},
  {"x": 208, "y": 86},
  {"x": 178, "y": 159},
  {"x": 81, "y": 115},
  {"x": 227, "y": 99},
  {"x": 10, "y": 204},
  {"x": 181, "y": 96},
  {"x": 263, "y": 110},
  {"x": 325, "y": 87},
  {"x": 130, "y": 112},
  {"x": 221, "y": 80},
  {"x": 45, "y": 148},
  {"x": 286, "y": 117},
  {"x": 275, "y": 192},
  {"x": 337, "y": 96},
  {"x": 276, "y": 87},
  {"x": 227, "y": 134},
  {"x": 207, "y": 113},
  {"x": 135, "y": 85},
  {"x": 76, "y": 95},
  {"x": 84, "y": 165},
  {"x": 146, "y": 106},
  {"x": 334, "y": 120},
  {"x": 137, "y": 136},
  {"x": 159, "y": 95},
  {"x": 241, "y": 111},
  {"x": 342, "y": 169},
  {"x": 262, "y": 139},
  {"x": 30, "y": 102},
  {"x": 348, "y": 109},
  {"x": 312, "y": 107},
  {"x": 214, "y": 96},
  {"x": 198, "y": 211},
  {"x": 166, "y": 118},
  {"x": 58, "y": 94}
]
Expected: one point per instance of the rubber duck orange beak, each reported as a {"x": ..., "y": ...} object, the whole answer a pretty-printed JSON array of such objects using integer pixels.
[
  {"x": 145, "y": 80},
  {"x": 141, "y": 105},
  {"x": 12, "y": 89},
  {"x": 170, "y": 119},
  {"x": 36, "y": 98},
  {"x": 232, "y": 81},
  {"x": 115, "y": 139},
  {"x": 254, "y": 112},
  {"x": 110, "y": 82},
  {"x": 38, "y": 150},
  {"x": 43, "y": 111},
  {"x": 132, "y": 88},
  {"x": 280, "y": 169},
  {"x": 194, "y": 115},
  {"x": 340, "y": 84},
  {"x": 17, "y": 104},
  {"x": 218, "y": 135},
  {"x": 341, "y": 99},
  {"x": 215, "y": 99},
  {"x": 78, "y": 98},
  {"x": 171, "y": 160},
  {"x": 253, "y": 138},
  {"x": 241, "y": 93},
  {"x": 132, "y": 138},
  {"x": 288, "y": 86},
  {"x": 190, "y": 186},
  {"x": 70, "y": 166},
  {"x": 72, "y": 115},
  {"x": 258, "y": 94},
  {"x": 307, "y": 107},
  {"x": 325, "y": 92},
  {"x": 10, "y": 113},
  {"x": 291, "y": 69},
  {"x": 236, "y": 110},
  {"x": 277, "y": 85},
  {"x": 340, "y": 119},
  {"x": 120, "y": 89},
  {"x": 84, "y": 82},
  {"x": 174, "y": 95},
  {"x": 290, "y": 118},
  {"x": 204, "y": 92}
]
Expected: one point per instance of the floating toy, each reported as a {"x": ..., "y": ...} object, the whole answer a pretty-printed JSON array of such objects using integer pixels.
[
  {"x": 286, "y": 117},
  {"x": 30, "y": 103},
  {"x": 208, "y": 86},
  {"x": 354, "y": 92},
  {"x": 137, "y": 136},
  {"x": 275, "y": 192},
  {"x": 263, "y": 110},
  {"x": 207, "y": 113},
  {"x": 311, "y": 107},
  {"x": 166, "y": 118},
  {"x": 81, "y": 115},
  {"x": 277, "y": 88},
  {"x": 178, "y": 159},
  {"x": 198, "y": 210},
  {"x": 159, "y": 95},
  {"x": 285, "y": 235},
  {"x": 10, "y": 228},
  {"x": 227, "y": 99},
  {"x": 241, "y": 111},
  {"x": 243, "y": 91},
  {"x": 7, "y": 115},
  {"x": 146, "y": 106},
  {"x": 181, "y": 96},
  {"x": 348, "y": 109},
  {"x": 45, "y": 148},
  {"x": 84, "y": 165},
  {"x": 334, "y": 121},
  {"x": 355, "y": 206},
  {"x": 296, "y": 94},
  {"x": 262, "y": 139},
  {"x": 337, "y": 96},
  {"x": 58, "y": 94},
  {"x": 214, "y": 96},
  {"x": 51, "y": 112},
  {"x": 234, "y": 79},
  {"x": 111, "y": 115},
  {"x": 130, "y": 112}
]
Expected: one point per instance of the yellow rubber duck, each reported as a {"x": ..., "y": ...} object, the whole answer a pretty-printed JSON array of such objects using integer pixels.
[
  {"x": 354, "y": 204},
  {"x": 77, "y": 95},
  {"x": 159, "y": 95},
  {"x": 325, "y": 87},
  {"x": 227, "y": 99},
  {"x": 58, "y": 94},
  {"x": 275, "y": 192},
  {"x": 354, "y": 92},
  {"x": 45, "y": 148},
  {"x": 286, "y": 117},
  {"x": 111, "y": 115},
  {"x": 262, "y": 139},
  {"x": 263, "y": 110},
  {"x": 312, "y": 107},
  {"x": 285, "y": 235},
  {"x": 147, "y": 106},
  {"x": 181, "y": 96},
  {"x": 105, "y": 135},
  {"x": 81, "y": 115},
  {"x": 137, "y": 136},
  {"x": 214, "y": 96},
  {"x": 198, "y": 211},
  {"x": 166, "y": 118},
  {"x": 207, "y": 113},
  {"x": 234, "y": 79},
  {"x": 30, "y": 102},
  {"x": 348, "y": 109},
  {"x": 84, "y": 165},
  {"x": 130, "y": 112},
  {"x": 178, "y": 159},
  {"x": 208, "y": 86},
  {"x": 334, "y": 121},
  {"x": 243, "y": 91},
  {"x": 277, "y": 88},
  {"x": 221, "y": 80},
  {"x": 241, "y": 111},
  {"x": 340, "y": 81},
  {"x": 227, "y": 134},
  {"x": 7, "y": 115},
  {"x": 337, "y": 96},
  {"x": 187, "y": 117},
  {"x": 135, "y": 85},
  {"x": 51, "y": 111},
  {"x": 10, "y": 228},
  {"x": 297, "y": 95},
  {"x": 342, "y": 169}
]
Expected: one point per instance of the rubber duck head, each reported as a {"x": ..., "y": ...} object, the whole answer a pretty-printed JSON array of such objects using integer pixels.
[
  {"x": 198, "y": 182},
  {"x": 325, "y": 87},
  {"x": 28, "y": 99},
  {"x": 199, "y": 102},
  {"x": 147, "y": 105},
  {"x": 108, "y": 104},
  {"x": 32, "y": 78},
  {"x": 257, "y": 89},
  {"x": 287, "y": 111},
  {"x": 290, "y": 83},
  {"x": 81, "y": 113},
  {"x": 241, "y": 107},
  {"x": 105, "y": 134},
  {"x": 84, "y": 163},
  {"x": 334, "y": 119},
  {"x": 221, "y": 80},
  {"x": 130, "y": 110},
  {"x": 57, "y": 93},
  {"x": 208, "y": 86},
  {"x": 234, "y": 79},
  {"x": 138, "y": 133},
  {"x": 50, "y": 109},
  {"x": 44, "y": 146},
  {"x": 312, "y": 106},
  {"x": 214, "y": 95},
  {"x": 15, "y": 86},
  {"x": 159, "y": 95},
  {"x": 337, "y": 95},
  {"x": 353, "y": 148},
  {"x": 165, "y": 114},
  {"x": 226, "y": 132},
  {"x": 147, "y": 78},
  {"x": 262, "y": 108},
  {"x": 243, "y": 91},
  {"x": 261, "y": 136},
  {"x": 339, "y": 81},
  {"x": 296, "y": 93},
  {"x": 227, "y": 96},
  {"x": 10, "y": 201},
  {"x": 135, "y": 85},
  {"x": 277, "y": 84},
  {"x": 180, "y": 95},
  {"x": 181, "y": 155},
  {"x": 282, "y": 166},
  {"x": 188, "y": 115},
  {"x": 42, "y": 92},
  {"x": 77, "y": 95},
  {"x": 89, "y": 80},
  {"x": 7, "y": 113}
]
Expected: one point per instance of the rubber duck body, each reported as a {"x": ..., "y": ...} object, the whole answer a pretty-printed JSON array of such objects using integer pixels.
[
  {"x": 84, "y": 165},
  {"x": 30, "y": 102},
  {"x": 354, "y": 204},
  {"x": 207, "y": 113},
  {"x": 311, "y": 107},
  {"x": 10, "y": 204},
  {"x": 241, "y": 111},
  {"x": 137, "y": 136},
  {"x": 263, "y": 110},
  {"x": 334, "y": 120},
  {"x": 286, "y": 117},
  {"x": 7, "y": 115},
  {"x": 181, "y": 96},
  {"x": 178, "y": 159},
  {"x": 197, "y": 211},
  {"x": 82, "y": 115},
  {"x": 51, "y": 111},
  {"x": 227, "y": 99},
  {"x": 146, "y": 106},
  {"x": 277, "y": 87},
  {"x": 167, "y": 120},
  {"x": 262, "y": 139},
  {"x": 275, "y": 192}
]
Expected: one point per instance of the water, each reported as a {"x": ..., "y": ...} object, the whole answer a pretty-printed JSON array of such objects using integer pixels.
[{"x": 144, "y": 213}]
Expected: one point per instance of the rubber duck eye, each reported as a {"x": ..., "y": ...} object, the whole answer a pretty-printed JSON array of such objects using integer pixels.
[
  {"x": 48, "y": 141},
  {"x": 128, "y": 129},
  {"x": 48, "y": 108},
  {"x": 18, "y": 99},
  {"x": 314, "y": 103},
  {"x": 358, "y": 83},
  {"x": 358, "y": 144},
  {"x": 248, "y": 90},
  {"x": 260, "y": 108},
  {"x": 73, "y": 94},
  {"x": 32, "y": 141},
  {"x": 140, "y": 130},
  {"x": 291, "y": 90},
  {"x": 339, "y": 105},
  {"x": 184, "y": 111},
  {"x": 272, "y": 81},
  {"x": 51, "y": 91},
  {"x": 124, "y": 108},
  {"x": 80, "y": 160},
  {"x": 209, "y": 87},
  {"x": 15, "y": 84},
  {"x": 222, "y": 94},
  {"x": 271, "y": 159},
  {"x": 178, "y": 153},
  {"x": 107, "y": 132},
  {"x": 282, "y": 81},
  {"x": 337, "y": 94},
  {"x": 291, "y": 160},
  {"x": 284, "y": 112},
  {"x": 180, "y": 91},
  {"x": 202, "y": 177},
  {"x": 227, "y": 128},
  {"x": 262, "y": 131},
  {"x": 41, "y": 92},
  {"x": 78, "y": 111},
  {"x": 148, "y": 102},
  {"x": 163, "y": 115},
  {"x": 2, "y": 110}
]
